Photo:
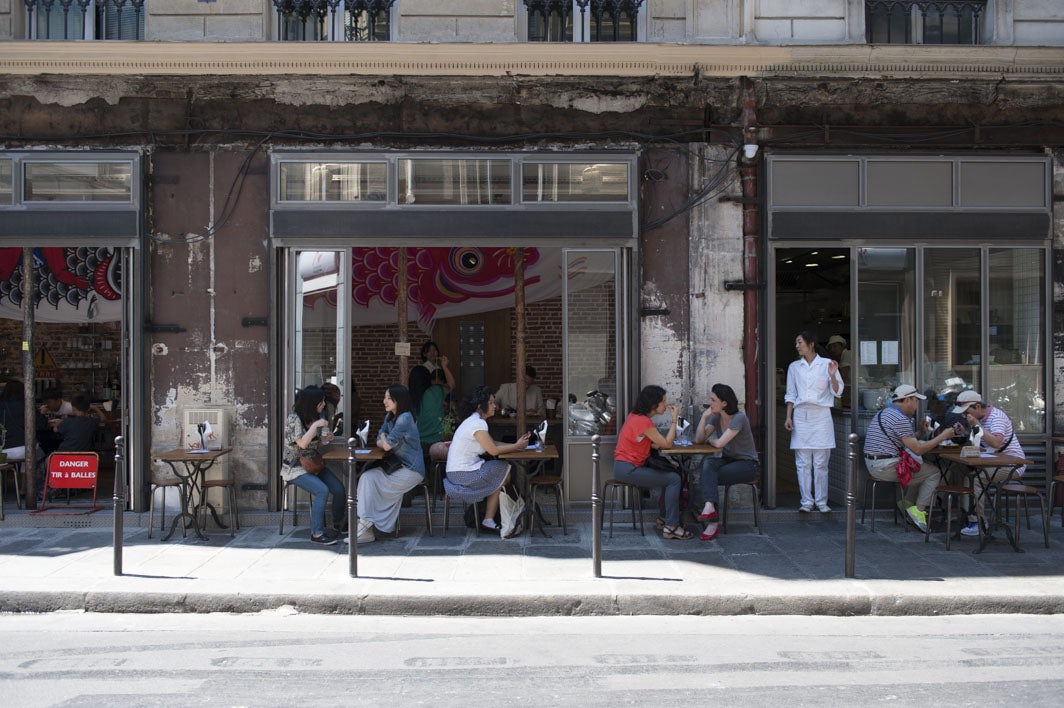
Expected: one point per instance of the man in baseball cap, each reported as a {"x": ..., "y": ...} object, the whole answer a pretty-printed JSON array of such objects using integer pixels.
[
  {"x": 998, "y": 436},
  {"x": 891, "y": 434},
  {"x": 840, "y": 353}
]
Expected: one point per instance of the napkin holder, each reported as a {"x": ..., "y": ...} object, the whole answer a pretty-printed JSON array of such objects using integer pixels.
[{"x": 970, "y": 451}]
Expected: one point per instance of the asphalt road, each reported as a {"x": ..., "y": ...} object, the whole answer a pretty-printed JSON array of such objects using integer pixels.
[{"x": 282, "y": 658}]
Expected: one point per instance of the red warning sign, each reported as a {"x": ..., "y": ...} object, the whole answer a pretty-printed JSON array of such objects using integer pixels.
[{"x": 73, "y": 470}]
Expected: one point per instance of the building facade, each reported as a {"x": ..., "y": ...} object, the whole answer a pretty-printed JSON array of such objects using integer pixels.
[{"x": 685, "y": 186}]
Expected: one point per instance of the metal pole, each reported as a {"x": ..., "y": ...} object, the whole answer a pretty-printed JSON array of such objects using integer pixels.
[
  {"x": 851, "y": 506},
  {"x": 352, "y": 508},
  {"x": 119, "y": 500},
  {"x": 29, "y": 376},
  {"x": 596, "y": 508}
]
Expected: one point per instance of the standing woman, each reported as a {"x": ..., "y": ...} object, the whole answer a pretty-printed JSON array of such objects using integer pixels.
[
  {"x": 304, "y": 431},
  {"x": 723, "y": 425},
  {"x": 469, "y": 476},
  {"x": 813, "y": 382},
  {"x": 637, "y": 436},
  {"x": 380, "y": 493}
]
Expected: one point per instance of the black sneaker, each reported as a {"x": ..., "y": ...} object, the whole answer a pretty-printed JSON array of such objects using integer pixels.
[
  {"x": 493, "y": 530},
  {"x": 323, "y": 540}
]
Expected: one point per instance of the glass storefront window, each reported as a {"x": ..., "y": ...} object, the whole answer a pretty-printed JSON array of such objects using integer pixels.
[
  {"x": 333, "y": 181},
  {"x": 952, "y": 330},
  {"x": 591, "y": 342},
  {"x": 574, "y": 182},
  {"x": 1015, "y": 325},
  {"x": 886, "y": 323},
  {"x": 5, "y": 181},
  {"x": 458, "y": 182},
  {"x": 80, "y": 181}
]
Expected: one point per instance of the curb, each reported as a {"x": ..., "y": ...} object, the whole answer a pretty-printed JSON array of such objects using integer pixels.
[{"x": 530, "y": 605}]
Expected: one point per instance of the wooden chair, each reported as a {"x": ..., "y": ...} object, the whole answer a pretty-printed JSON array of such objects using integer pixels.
[
  {"x": 447, "y": 513},
  {"x": 424, "y": 488},
  {"x": 611, "y": 493},
  {"x": 15, "y": 468},
  {"x": 163, "y": 484}
]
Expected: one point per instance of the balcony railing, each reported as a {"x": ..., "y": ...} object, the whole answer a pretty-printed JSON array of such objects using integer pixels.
[
  {"x": 924, "y": 22},
  {"x": 583, "y": 20},
  {"x": 333, "y": 20},
  {"x": 85, "y": 19}
]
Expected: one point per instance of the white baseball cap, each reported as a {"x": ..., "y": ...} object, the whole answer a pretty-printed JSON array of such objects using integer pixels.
[
  {"x": 907, "y": 391},
  {"x": 836, "y": 339},
  {"x": 966, "y": 399}
]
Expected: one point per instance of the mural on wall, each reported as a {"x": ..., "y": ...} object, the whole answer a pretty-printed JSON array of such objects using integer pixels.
[
  {"x": 443, "y": 282},
  {"x": 80, "y": 284}
]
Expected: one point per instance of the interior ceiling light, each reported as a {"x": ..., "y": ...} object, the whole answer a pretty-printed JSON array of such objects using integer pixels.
[
  {"x": 811, "y": 265},
  {"x": 788, "y": 261},
  {"x": 839, "y": 258},
  {"x": 813, "y": 253}
]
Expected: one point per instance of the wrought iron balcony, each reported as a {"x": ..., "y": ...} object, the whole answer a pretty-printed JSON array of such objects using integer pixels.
[
  {"x": 336, "y": 20},
  {"x": 599, "y": 20},
  {"x": 84, "y": 19},
  {"x": 924, "y": 22}
]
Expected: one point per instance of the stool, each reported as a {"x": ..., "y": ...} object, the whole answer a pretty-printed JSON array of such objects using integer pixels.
[
  {"x": 162, "y": 484},
  {"x": 284, "y": 504},
  {"x": 612, "y": 490},
  {"x": 953, "y": 499},
  {"x": 554, "y": 482},
  {"x": 230, "y": 486},
  {"x": 438, "y": 461},
  {"x": 874, "y": 482},
  {"x": 1022, "y": 490},
  {"x": 1059, "y": 479},
  {"x": 756, "y": 498},
  {"x": 3, "y": 468},
  {"x": 424, "y": 487},
  {"x": 447, "y": 513},
  {"x": 15, "y": 468}
]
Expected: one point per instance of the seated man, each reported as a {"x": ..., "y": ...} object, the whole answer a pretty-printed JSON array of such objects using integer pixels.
[
  {"x": 506, "y": 398},
  {"x": 54, "y": 405},
  {"x": 998, "y": 436},
  {"x": 77, "y": 431},
  {"x": 890, "y": 432}
]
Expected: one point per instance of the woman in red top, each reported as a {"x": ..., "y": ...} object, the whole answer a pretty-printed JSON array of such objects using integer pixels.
[{"x": 633, "y": 448}]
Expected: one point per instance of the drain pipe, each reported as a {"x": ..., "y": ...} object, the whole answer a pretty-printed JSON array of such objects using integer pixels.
[{"x": 751, "y": 265}]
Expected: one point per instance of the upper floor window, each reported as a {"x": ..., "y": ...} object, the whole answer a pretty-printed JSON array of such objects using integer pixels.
[
  {"x": 922, "y": 22},
  {"x": 584, "y": 20},
  {"x": 85, "y": 19},
  {"x": 334, "y": 20}
]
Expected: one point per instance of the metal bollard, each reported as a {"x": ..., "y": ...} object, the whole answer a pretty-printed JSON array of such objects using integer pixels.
[
  {"x": 851, "y": 507},
  {"x": 119, "y": 502},
  {"x": 596, "y": 509},
  {"x": 352, "y": 508}
]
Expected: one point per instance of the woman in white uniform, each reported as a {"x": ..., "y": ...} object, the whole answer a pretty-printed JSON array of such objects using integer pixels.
[{"x": 813, "y": 382}]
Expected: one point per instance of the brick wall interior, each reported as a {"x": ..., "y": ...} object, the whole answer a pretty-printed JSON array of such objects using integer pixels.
[{"x": 86, "y": 356}]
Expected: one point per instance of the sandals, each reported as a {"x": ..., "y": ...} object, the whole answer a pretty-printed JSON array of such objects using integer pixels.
[
  {"x": 660, "y": 523},
  {"x": 676, "y": 532}
]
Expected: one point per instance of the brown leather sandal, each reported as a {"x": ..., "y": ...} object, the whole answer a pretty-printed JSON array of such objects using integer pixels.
[{"x": 677, "y": 532}]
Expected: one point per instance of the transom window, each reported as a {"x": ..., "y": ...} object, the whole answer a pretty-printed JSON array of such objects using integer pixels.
[
  {"x": 85, "y": 19},
  {"x": 489, "y": 180},
  {"x": 334, "y": 20},
  {"x": 924, "y": 22},
  {"x": 5, "y": 182},
  {"x": 584, "y": 20},
  {"x": 80, "y": 181}
]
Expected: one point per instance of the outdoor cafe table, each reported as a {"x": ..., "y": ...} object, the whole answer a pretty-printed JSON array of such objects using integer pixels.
[
  {"x": 530, "y": 462},
  {"x": 982, "y": 468},
  {"x": 190, "y": 466},
  {"x": 684, "y": 454},
  {"x": 357, "y": 460}
]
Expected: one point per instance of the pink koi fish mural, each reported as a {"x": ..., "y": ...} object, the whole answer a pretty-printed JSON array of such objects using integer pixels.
[{"x": 81, "y": 284}]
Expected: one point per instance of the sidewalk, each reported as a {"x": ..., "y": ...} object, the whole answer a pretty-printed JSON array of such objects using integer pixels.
[{"x": 795, "y": 567}]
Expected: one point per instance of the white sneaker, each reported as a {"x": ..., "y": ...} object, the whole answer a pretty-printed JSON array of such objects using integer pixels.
[
  {"x": 805, "y": 508},
  {"x": 366, "y": 536},
  {"x": 972, "y": 529},
  {"x": 823, "y": 508}
]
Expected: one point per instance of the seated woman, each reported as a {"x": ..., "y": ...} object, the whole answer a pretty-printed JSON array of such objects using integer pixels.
[
  {"x": 723, "y": 425},
  {"x": 380, "y": 493},
  {"x": 469, "y": 477},
  {"x": 304, "y": 431},
  {"x": 637, "y": 436}
]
